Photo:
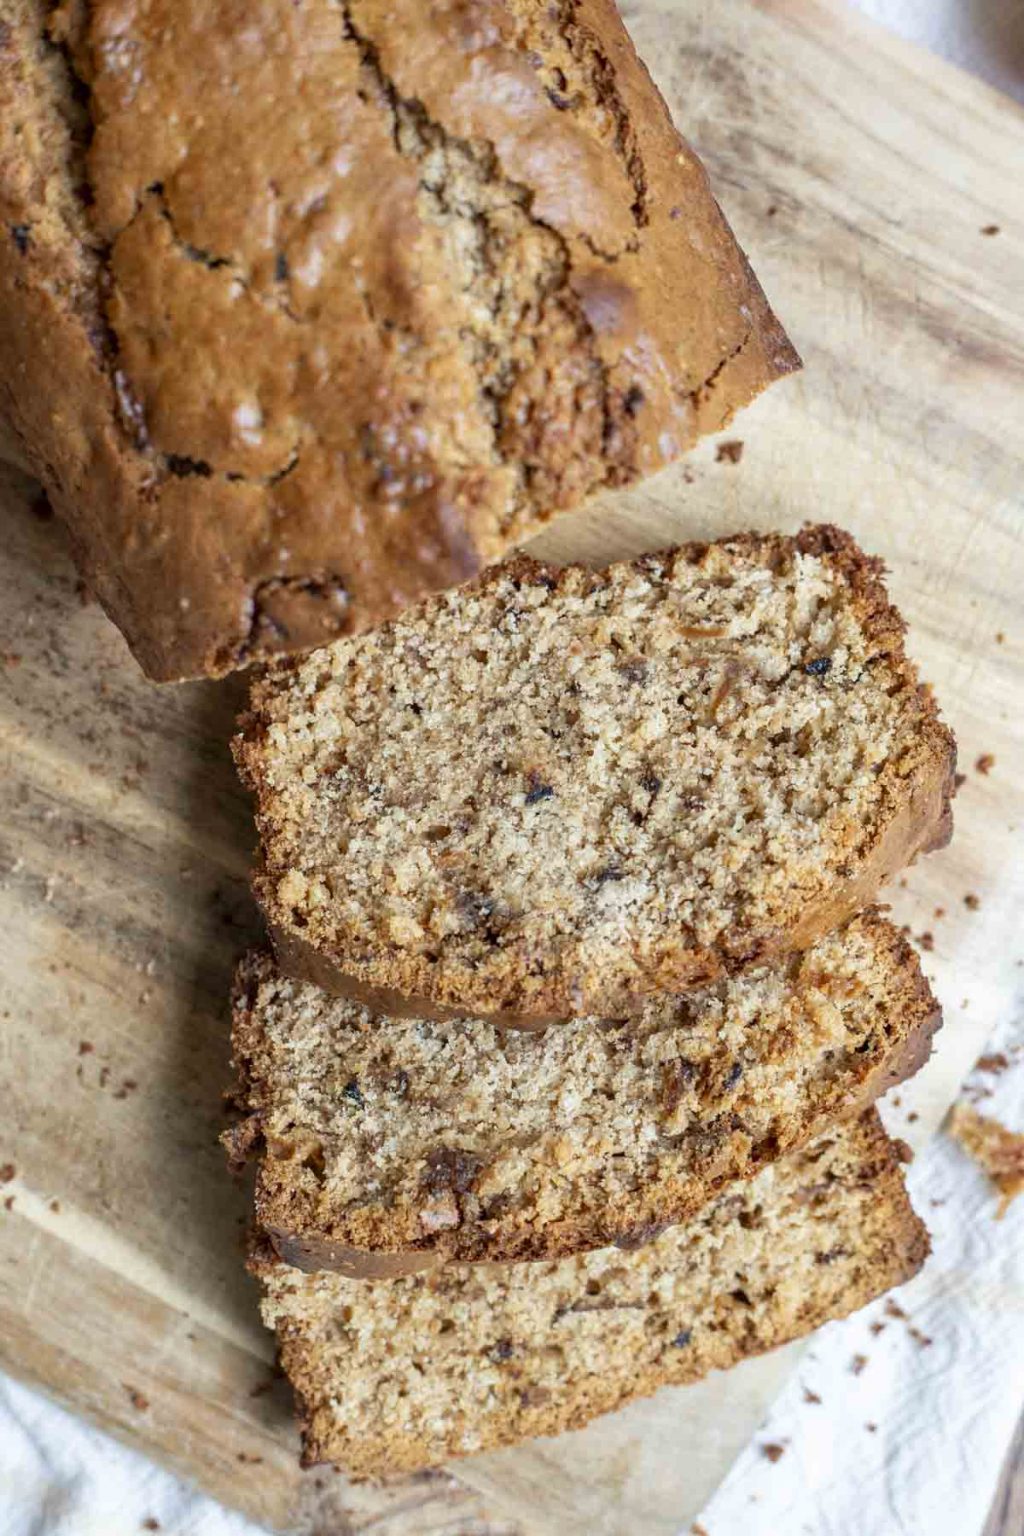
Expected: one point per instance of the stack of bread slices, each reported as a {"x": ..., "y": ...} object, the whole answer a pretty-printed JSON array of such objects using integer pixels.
[{"x": 561, "y": 1081}]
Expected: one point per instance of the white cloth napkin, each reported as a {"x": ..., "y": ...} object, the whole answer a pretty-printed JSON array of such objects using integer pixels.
[
  {"x": 917, "y": 1410},
  {"x": 61, "y": 1477}
]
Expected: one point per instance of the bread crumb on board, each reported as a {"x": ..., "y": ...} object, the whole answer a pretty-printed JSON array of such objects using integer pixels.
[
  {"x": 995, "y": 1148},
  {"x": 729, "y": 452},
  {"x": 984, "y": 764}
]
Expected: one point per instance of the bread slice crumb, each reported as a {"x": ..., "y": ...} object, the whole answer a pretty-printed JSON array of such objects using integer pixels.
[
  {"x": 404, "y": 1374},
  {"x": 999, "y": 1151},
  {"x": 556, "y": 792}
]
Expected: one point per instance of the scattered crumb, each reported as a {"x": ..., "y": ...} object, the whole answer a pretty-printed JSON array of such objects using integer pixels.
[
  {"x": 990, "y": 229},
  {"x": 104, "y": 1076},
  {"x": 151, "y": 1523},
  {"x": 136, "y": 1398},
  {"x": 871, "y": 1428},
  {"x": 939, "y": 912},
  {"x": 858, "y": 1363},
  {"x": 250, "y": 1461},
  {"x": 903, "y": 882},
  {"x": 1000, "y": 637},
  {"x": 9, "y": 1203},
  {"x": 958, "y": 779},
  {"x": 935, "y": 1203},
  {"x": 7, "y": 1173},
  {"x": 994, "y": 1061},
  {"x": 904, "y": 1151},
  {"x": 730, "y": 452},
  {"x": 770, "y": 211},
  {"x": 85, "y": 1047},
  {"x": 919, "y": 1338},
  {"x": 55, "y": 1207},
  {"x": 984, "y": 764},
  {"x": 971, "y": 902},
  {"x": 877, "y": 1328},
  {"x": 893, "y": 1309},
  {"x": 913, "y": 1117},
  {"x": 773, "y": 1452},
  {"x": 1000, "y": 1152},
  {"x": 696, "y": 1529},
  {"x": 811, "y": 1397},
  {"x": 927, "y": 941}
]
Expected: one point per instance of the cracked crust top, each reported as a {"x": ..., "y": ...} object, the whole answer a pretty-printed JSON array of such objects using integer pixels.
[
  {"x": 416, "y": 278},
  {"x": 554, "y": 793}
]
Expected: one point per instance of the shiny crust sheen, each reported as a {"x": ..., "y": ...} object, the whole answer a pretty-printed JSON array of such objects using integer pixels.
[{"x": 252, "y": 398}]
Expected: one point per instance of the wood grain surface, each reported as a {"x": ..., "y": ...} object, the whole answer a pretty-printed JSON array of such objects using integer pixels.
[{"x": 860, "y": 176}]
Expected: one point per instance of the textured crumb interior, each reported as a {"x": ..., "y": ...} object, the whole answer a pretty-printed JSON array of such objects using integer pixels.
[
  {"x": 393, "y": 1132},
  {"x": 600, "y": 773},
  {"x": 448, "y": 1364},
  {"x": 46, "y": 128}
]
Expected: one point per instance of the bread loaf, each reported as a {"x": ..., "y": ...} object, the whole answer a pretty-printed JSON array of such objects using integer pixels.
[{"x": 308, "y": 310}]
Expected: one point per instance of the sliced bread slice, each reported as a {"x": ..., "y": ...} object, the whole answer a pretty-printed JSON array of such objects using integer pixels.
[
  {"x": 388, "y": 1147},
  {"x": 556, "y": 792},
  {"x": 407, "y": 1373}
]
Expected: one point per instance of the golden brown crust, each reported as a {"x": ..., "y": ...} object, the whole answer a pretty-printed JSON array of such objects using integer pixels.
[
  {"x": 379, "y": 1235},
  {"x": 414, "y": 324},
  {"x": 912, "y": 796},
  {"x": 858, "y": 1206}
]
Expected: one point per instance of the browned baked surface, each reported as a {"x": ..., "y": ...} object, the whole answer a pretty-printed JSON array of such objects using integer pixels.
[
  {"x": 407, "y": 1373},
  {"x": 386, "y": 1145},
  {"x": 309, "y": 310},
  {"x": 553, "y": 793}
]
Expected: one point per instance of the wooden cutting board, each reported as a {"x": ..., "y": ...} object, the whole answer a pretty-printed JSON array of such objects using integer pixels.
[{"x": 862, "y": 176}]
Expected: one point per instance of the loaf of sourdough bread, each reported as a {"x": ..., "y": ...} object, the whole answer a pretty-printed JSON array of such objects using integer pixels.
[
  {"x": 308, "y": 310},
  {"x": 558, "y": 792},
  {"x": 402, "y": 1374},
  {"x": 387, "y": 1146}
]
